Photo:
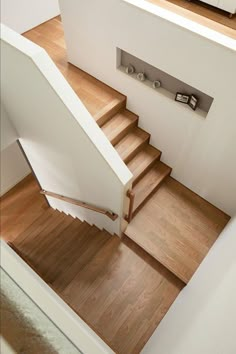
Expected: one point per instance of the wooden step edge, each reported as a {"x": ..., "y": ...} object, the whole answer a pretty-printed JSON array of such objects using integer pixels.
[
  {"x": 124, "y": 132},
  {"x": 137, "y": 149},
  {"x": 145, "y": 200},
  {"x": 147, "y": 169},
  {"x": 109, "y": 111},
  {"x": 183, "y": 279}
]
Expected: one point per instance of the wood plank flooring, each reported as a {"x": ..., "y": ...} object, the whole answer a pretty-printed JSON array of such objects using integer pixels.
[
  {"x": 16, "y": 217},
  {"x": 177, "y": 227},
  {"x": 96, "y": 96},
  {"x": 116, "y": 287},
  {"x": 204, "y": 14}
]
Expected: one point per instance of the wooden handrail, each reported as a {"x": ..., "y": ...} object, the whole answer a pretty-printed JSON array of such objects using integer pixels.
[
  {"x": 108, "y": 213},
  {"x": 130, "y": 195}
]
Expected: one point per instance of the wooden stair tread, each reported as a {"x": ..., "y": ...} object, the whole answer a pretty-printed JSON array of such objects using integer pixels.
[
  {"x": 113, "y": 107},
  {"x": 119, "y": 125},
  {"x": 142, "y": 161},
  {"x": 86, "y": 246},
  {"x": 149, "y": 183},
  {"x": 44, "y": 238},
  {"x": 65, "y": 259},
  {"x": 46, "y": 220},
  {"x": 129, "y": 146}
]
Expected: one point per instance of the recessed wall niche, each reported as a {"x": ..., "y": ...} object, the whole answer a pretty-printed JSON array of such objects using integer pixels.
[{"x": 169, "y": 84}]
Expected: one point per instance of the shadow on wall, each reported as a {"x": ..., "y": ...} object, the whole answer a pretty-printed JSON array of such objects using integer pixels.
[{"x": 203, "y": 318}]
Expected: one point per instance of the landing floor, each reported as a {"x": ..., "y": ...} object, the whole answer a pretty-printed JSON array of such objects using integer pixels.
[
  {"x": 177, "y": 227},
  {"x": 95, "y": 95},
  {"x": 112, "y": 284}
]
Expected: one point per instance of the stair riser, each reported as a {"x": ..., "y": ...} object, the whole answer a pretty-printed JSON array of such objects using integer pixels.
[
  {"x": 139, "y": 177},
  {"x": 136, "y": 151},
  {"x": 150, "y": 195},
  {"x": 122, "y": 134},
  {"x": 109, "y": 112}
]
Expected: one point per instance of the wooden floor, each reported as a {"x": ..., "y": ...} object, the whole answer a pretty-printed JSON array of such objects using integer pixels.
[
  {"x": 177, "y": 227},
  {"x": 96, "y": 96},
  {"x": 115, "y": 286},
  {"x": 202, "y": 13},
  {"x": 16, "y": 217}
]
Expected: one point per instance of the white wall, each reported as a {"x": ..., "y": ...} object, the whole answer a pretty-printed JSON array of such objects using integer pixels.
[
  {"x": 201, "y": 151},
  {"x": 203, "y": 317},
  {"x": 67, "y": 150},
  {"x": 227, "y": 5},
  {"x": 13, "y": 165},
  {"x": 22, "y": 15},
  {"x": 8, "y": 133}
]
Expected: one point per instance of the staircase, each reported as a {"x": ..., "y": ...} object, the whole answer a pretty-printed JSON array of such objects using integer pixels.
[
  {"x": 170, "y": 222},
  {"x": 60, "y": 239},
  {"x": 111, "y": 283},
  {"x": 133, "y": 145},
  {"x": 108, "y": 108}
]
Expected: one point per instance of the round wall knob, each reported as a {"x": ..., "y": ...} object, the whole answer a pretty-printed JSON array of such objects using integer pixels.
[
  {"x": 141, "y": 76},
  {"x": 129, "y": 69},
  {"x": 156, "y": 84}
]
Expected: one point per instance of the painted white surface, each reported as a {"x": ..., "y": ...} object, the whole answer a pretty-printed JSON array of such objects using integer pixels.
[
  {"x": 8, "y": 133},
  {"x": 5, "y": 347},
  {"x": 51, "y": 304},
  {"x": 22, "y": 15},
  {"x": 203, "y": 317},
  {"x": 227, "y": 5},
  {"x": 185, "y": 23},
  {"x": 13, "y": 165},
  {"x": 212, "y": 2},
  {"x": 201, "y": 151},
  {"x": 31, "y": 327},
  {"x": 67, "y": 150}
]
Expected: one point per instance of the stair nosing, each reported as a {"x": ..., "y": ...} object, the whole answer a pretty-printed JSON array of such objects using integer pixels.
[
  {"x": 148, "y": 166},
  {"x": 152, "y": 190},
  {"x": 121, "y": 134},
  {"x": 107, "y": 112},
  {"x": 127, "y": 158}
]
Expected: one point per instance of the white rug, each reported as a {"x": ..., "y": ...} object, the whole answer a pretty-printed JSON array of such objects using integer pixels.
[{"x": 25, "y": 329}]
